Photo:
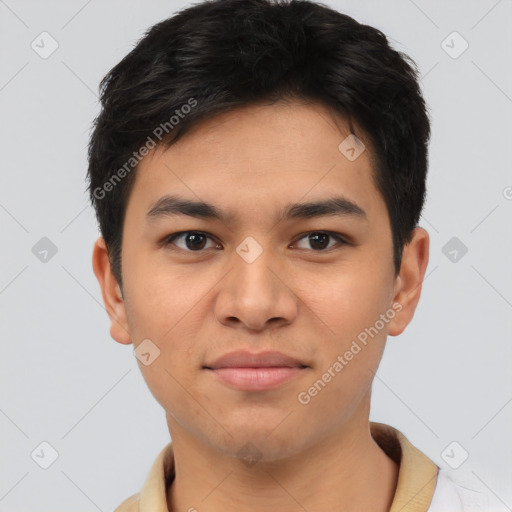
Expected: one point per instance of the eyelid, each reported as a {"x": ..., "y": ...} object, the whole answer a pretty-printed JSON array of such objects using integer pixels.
[
  {"x": 341, "y": 239},
  {"x": 169, "y": 239}
]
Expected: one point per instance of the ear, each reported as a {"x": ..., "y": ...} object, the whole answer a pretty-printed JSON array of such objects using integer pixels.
[
  {"x": 409, "y": 281},
  {"x": 111, "y": 292}
]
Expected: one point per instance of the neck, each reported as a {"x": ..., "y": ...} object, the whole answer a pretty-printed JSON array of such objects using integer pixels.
[{"x": 346, "y": 471}]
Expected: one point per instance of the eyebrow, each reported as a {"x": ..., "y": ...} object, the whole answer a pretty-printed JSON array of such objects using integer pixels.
[{"x": 168, "y": 206}]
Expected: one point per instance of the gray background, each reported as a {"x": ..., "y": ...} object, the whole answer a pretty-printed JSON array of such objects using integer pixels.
[{"x": 66, "y": 382}]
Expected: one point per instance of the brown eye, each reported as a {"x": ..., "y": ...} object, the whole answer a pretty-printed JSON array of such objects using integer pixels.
[
  {"x": 319, "y": 240},
  {"x": 194, "y": 241}
]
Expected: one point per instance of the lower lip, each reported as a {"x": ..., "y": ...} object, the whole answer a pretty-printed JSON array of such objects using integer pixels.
[{"x": 256, "y": 379}]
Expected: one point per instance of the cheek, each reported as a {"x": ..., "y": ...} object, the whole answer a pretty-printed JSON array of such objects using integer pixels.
[
  {"x": 160, "y": 298},
  {"x": 348, "y": 311},
  {"x": 166, "y": 309},
  {"x": 348, "y": 300}
]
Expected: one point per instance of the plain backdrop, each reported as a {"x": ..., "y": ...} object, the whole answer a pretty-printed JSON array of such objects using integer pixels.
[{"x": 65, "y": 382}]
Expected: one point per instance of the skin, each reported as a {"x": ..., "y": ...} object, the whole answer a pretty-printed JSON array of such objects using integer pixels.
[{"x": 307, "y": 302}]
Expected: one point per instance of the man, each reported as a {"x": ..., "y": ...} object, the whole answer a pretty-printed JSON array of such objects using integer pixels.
[{"x": 258, "y": 171}]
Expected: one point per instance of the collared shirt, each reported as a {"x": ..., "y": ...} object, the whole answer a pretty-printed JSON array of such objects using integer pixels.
[{"x": 422, "y": 486}]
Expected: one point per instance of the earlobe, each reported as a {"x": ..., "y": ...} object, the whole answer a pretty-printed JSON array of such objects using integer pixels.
[
  {"x": 111, "y": 292},
  {"x": 408, "y": 283}
]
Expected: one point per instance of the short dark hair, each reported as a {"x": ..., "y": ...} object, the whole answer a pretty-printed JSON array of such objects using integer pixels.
[{"x": 218, "y": 55}]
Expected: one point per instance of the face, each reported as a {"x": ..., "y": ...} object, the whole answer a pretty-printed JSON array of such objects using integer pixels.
[{"x": 259, "y": 272}]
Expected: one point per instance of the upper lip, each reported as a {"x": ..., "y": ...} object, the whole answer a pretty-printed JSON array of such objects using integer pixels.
[{"x": 244, "y": 359}]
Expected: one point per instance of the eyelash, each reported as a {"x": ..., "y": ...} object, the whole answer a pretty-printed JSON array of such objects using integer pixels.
[{"x": 171, "y": 238}]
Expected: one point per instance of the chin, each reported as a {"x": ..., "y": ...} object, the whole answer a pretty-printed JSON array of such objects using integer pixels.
[{"x": 251, "y": 444}]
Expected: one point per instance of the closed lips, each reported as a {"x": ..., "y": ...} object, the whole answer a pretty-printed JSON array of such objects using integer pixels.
[{"x": 244, "y": 359}]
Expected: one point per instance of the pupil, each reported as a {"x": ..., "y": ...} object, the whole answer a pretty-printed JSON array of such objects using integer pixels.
[
  {"x": 193, "y": 238},
  {"x": 196, "y": 240},
  {"x": 314, "y": 238}
]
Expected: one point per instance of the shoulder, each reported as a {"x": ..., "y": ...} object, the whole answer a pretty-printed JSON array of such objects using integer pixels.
[
  {"x": 130, "y": 504},
  {"x": 457, "y": 496}
]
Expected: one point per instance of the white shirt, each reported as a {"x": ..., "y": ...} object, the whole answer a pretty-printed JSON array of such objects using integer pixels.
[{"x": 450, "y": 496}]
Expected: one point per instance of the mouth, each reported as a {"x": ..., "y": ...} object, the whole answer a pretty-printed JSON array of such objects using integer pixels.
[{"x": 247, "y": 371}]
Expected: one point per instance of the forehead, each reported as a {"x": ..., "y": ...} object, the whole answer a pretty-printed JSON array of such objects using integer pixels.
[{"x": 262, "y": 156}]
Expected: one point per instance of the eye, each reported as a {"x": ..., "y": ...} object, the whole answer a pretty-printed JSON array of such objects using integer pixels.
[
  {"x": 194, "y": 241},
  {"x": 319, "y": 240}
]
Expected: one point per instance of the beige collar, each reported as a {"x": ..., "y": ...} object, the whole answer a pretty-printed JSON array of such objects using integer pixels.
[
  {"x": 415, "y": 488},
  {"x": 417, "y": 475}
]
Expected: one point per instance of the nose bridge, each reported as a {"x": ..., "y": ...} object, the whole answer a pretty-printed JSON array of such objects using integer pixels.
[
  {"x": 252, "y": 275},
  {"x": 252, "y": 293}
]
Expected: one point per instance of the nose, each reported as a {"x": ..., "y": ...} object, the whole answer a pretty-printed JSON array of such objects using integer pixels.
[{"x": 256, "y": 295}]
